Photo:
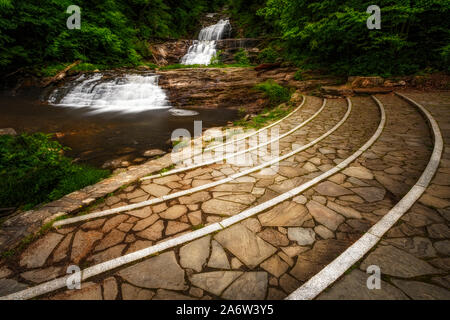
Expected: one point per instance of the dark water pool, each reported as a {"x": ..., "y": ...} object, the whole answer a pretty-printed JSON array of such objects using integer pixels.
[{"x": 96, "y": 138}]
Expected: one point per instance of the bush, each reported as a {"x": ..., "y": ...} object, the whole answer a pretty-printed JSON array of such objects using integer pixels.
[
  {"x": 298, "y": 75},
  {"x": 268, "y": 55},
  {"x": 33, "y": 170},
  {"x": 277, "y": 94},
  {"x": 241, "y": 57}
]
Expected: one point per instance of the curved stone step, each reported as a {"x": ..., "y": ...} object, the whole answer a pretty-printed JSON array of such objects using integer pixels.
[
  {"x": 237, "y": 153},
  {"x": 389, "y": 257},
  {"x": 92, "y": 271},
  {"x": 232, "y": 178}
]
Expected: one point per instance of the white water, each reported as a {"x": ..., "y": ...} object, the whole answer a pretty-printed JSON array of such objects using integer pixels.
[
  {"x": 183, "y": 112},
  {"x": 204, "y": 49},
  {"x": 126, "y": 94}
]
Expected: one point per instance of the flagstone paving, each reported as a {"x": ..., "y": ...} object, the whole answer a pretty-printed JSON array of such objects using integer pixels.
[
  {"x": 270, "y": 255},
  {"x": 414, "y": 255}
]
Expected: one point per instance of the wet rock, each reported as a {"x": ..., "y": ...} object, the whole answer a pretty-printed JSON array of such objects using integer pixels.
[
  {"x": 111, "y": 239},
  {"x": 275, "y": 294},
  {"x": 108, "y": 254},
  {"x": 88, "y": 291},
  {"x": 194, "y": 254},
  {"x": 312, "y": 261},
  {"x": 156, "y": 190},
  {"x": 370, "y": 194},
  {"x": 174, "y": 227},
  {"x": 274, "y": 237},
  {"x": 274, "y": 265},
  {"x": 345, "y": 211},
  {"x": 221, "y": 207},
  {"x": 417, "y": 246},
  {"x": 197, "y": 197},
  {"x": 153, "y": 153},
  {"x": 154, "y": 232},
  {"x": 288, "y": 283},
  {"x": 252, "y": 224},
  {"x": 250, "y": 286},
  {"x": 83, "y": 243},
  {"x": 174, "y": 212},
  {"x": 358, "y": 172},
  {"x": 113, "y": 222},
  {"x": 195, "y": 218},
  {"x": 443, "y": 247},
  {"x": 110, "y": 289},
  {"x": 397, "y": 263},
  {"x": 422, "y": 291},
  {"x": 163, "y": 294},
  {"x": 353, "y": 286},
  {"x": 145, "y": 223},
  {"x": 439, "y": 231},
  {"x": 130, "y": 292},
  {"x": 324, "y": 232},
  {"x": 63, "y": 249},
  {"x": 288, "y": 214},
  {"x": 42, "y": 275},
  {"x": 38, "y": 252},
  {"x": 161, "y": 271},
  {"x": 214, "y": 282},
  {"x": 331, "y": 189},
  {"x": 245, "y": 245},
  {"x": 218, "y": 259},
  {"x": 303, "y": 236},
  {"x": 324, "y": 215}
]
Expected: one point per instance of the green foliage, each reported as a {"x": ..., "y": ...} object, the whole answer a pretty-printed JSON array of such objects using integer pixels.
[
  {"x": 249, "y": 24},
  {"x": 241, "y": 57},
  {"x": 33, "y": 170},
  {"x": 328, "y": 34},
  {"x": 277, "y": 94},
  {"x": 113, "y": 32},
  {"x": 413, "y": 35},
  {"x": 268, "y": 55},
  {"x": 298, "y": 75}
]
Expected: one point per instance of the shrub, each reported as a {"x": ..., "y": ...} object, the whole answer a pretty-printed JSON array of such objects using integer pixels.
[
  {"x": 277, "y": 94},
  {"x": 298, "y": 75},
  {"x": 33, "y": 170},
  {"x": 268, "y": 55},
  {"x": 241, "y": 57}
]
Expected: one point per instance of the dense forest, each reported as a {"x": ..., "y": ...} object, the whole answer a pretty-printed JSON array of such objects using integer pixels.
[{"x": 414, "y": 37}]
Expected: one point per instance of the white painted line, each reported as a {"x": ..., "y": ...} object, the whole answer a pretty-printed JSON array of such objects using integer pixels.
[
  {"x": 333, "y": 271},
  {"x": 133, "y": 257},
  {"x": 205, "y": 186},
  {"x": 235, "y": 154}
]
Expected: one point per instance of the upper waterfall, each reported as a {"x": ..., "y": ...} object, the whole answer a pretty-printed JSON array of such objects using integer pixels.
[
  {"x": 204, "y": 49},
  {"x": 128, "y": 93}
]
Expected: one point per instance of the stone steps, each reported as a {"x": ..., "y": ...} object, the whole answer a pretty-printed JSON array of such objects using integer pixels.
[
  {"x": 273, "y": 245},
  {"x": 85, "y": 235}
]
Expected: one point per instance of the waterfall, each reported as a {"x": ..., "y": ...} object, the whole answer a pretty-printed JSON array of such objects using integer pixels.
[
  {"x": 204, "y": 49},
  {"x": 125, "y": 93}
]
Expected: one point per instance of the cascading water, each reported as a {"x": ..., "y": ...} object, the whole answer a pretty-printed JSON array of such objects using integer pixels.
[
  {"x": 204, "y": 49},
  {"x": 125, "y": 93}
]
